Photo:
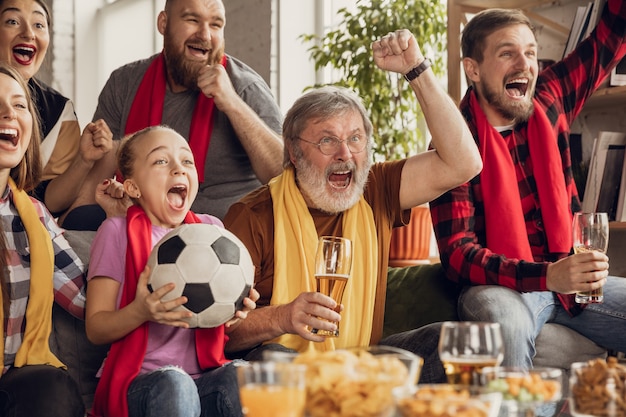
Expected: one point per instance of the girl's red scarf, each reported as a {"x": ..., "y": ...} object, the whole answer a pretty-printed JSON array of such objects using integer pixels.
[
  {"x": 126, "y": 355},
  {"x": 147, "y": 110},
  {"x": 504, "y": 218}
]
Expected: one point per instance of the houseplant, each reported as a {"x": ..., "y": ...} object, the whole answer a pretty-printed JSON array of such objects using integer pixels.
[{"x": 399, "y": 128}]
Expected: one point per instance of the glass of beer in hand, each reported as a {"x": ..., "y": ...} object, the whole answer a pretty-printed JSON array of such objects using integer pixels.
[
  {"x": 466, "y": 347},
  {"x": 333, "y": 263},
  {"x": 591, "y": 233}
]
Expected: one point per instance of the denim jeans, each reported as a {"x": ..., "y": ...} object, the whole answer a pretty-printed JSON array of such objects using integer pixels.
[
  {"x": 423, "y": 342},
  {"x": 39, "y": 390},
  {"x": 169, "y": 391},
  {"x": 522, "y": 315}
]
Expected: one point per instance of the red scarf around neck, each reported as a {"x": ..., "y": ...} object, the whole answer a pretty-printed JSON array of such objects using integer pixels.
[
  {"x": 125, "y": 357},
  {"x": 504, "y": 219},
  {"x": 147, "y": 110}
]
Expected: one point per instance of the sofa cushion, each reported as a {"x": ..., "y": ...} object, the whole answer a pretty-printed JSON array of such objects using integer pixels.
[
  {"x": 70, "y": 344},
  {"x": 69, "y": 340},
  {"x": 559, "y": 346},
  {"x": 416, "y": 296}
]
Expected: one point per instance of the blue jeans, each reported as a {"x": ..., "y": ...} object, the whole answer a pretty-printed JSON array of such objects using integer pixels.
[
  {"x": 522, "y": 315},
  {"x": 423, "y": 342},
  {"x": 169, "y": 391}
]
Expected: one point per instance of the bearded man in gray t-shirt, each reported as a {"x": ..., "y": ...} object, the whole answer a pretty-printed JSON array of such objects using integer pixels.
[{"x": 242, "y": 130}]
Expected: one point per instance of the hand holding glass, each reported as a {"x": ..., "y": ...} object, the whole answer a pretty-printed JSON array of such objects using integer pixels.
[
  {"x": 333, "y": 263},
  {"x": 272, "y": 389},
  {"x": 466, "y": 347},
  {"x": 591, "y": 233}
]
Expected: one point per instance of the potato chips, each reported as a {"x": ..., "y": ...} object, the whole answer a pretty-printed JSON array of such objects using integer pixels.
[
  {"x": 352, "y": 383},
  {"x": 443, "y": 400}
]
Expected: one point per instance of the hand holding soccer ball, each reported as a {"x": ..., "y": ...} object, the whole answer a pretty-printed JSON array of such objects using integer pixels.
[{"x": 209, "y": 265}]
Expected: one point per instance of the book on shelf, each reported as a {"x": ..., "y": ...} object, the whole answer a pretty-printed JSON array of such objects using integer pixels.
[
  {"x": 597, "y": 164},
  {"x": 611, "y": 181},
  {"x": 618, "y": 75},
  {"x": 620, "y": 210},
  {"x": 579, "y": 27},
  {"x": 585, "y": 21},
  {"x": 594, "y": 17}
]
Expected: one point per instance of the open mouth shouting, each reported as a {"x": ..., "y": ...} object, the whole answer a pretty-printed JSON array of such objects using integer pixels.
[
  {"x": 177, "y": 196},
  {"x": 517, "y": 87},
  {"x": 9, "y": 135},
  {"x": 340, "y": 179},
  {"x": 24, "y": 54}
]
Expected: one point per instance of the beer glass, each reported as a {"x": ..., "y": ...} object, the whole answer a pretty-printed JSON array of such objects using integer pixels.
[
  {"x": 591, "y": 233},
  {"x": 333, "y": 263},
  {"x": 466, "y": 347}
]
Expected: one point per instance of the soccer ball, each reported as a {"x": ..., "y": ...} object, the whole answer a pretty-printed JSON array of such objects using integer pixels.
[{"x": 210, "y": 266}]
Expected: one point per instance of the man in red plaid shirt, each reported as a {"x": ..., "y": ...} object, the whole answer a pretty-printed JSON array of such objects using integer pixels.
[{"x": 506, "y": 235}]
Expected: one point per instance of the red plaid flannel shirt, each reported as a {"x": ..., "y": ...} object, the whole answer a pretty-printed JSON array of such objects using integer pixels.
[{"x": 458, "y": 215}]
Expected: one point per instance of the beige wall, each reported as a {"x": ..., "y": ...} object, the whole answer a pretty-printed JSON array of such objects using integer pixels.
[{"x": 248, "y": 33}]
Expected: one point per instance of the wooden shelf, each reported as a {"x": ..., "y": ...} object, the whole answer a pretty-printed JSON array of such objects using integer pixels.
[
  {"x": 617, "y": 225},
  {"x": 504, "y": 4},
  {"x": 607, "y": 97}
]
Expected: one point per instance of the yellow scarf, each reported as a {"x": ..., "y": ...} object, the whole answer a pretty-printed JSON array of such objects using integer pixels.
[
  {"x": 35, "y": 348},
  {"x": 295, "y": 243}
]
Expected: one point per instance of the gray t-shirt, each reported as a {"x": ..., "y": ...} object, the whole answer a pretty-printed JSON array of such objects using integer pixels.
[{"x": 228, "y": 173}]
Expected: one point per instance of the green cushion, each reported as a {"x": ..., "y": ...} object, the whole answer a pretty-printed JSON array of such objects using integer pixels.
[{"x": 418, "y": 295}]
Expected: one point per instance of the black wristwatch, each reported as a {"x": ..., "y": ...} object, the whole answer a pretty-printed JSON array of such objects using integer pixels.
[{"x": 415, "y": 72}]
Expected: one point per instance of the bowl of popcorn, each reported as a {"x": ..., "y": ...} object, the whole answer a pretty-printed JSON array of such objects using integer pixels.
[
  {"x": 357, "y": 382},
  {"x": 598, "y": 388},
  {"x": 524, "y": 390},
  {"x": 446, "y": 400}
]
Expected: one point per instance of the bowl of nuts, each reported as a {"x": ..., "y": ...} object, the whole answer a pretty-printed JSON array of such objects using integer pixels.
[
  {"x": 598, "y": 388},
  {"x": 446, "y": 400},
  {"x": 524, "y": 391}
]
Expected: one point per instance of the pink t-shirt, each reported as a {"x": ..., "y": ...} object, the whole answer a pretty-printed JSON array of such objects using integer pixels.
[{"x": 167, "y": 345}]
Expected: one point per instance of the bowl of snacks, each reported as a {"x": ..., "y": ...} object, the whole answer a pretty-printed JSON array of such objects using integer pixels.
[
  {"x": 598, "y": 388},
  {"x": 357, "y": 382},
  {"x": 446, "y": 400},
  {"x": 524, "y": 390}
]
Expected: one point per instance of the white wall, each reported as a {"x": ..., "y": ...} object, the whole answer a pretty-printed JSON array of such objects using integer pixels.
[
  {"x": 108, "y": 36},
  {"x": 294, "y": 69}
]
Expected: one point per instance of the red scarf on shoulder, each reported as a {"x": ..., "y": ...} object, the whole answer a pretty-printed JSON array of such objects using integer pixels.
[
  {"x": 504, "y": 218},
  {"x": 147, "y": 110},
  {"x": 125, "y": 357},
  {"x": 505, "y": 226}
]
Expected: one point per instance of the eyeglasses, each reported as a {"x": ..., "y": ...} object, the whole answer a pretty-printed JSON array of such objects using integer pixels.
[{"x": 329, "y": 145}]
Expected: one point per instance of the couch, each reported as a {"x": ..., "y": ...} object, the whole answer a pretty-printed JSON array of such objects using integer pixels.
[
  {"x": 416, "y": 295},
  {"x": 421, "y": 294}
]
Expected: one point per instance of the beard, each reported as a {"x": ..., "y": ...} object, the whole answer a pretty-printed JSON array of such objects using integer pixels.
[
  {"x": 183, "y": 71},
  {"x": 517, "y": 111},
  {"x": 314, "y": 184}
]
